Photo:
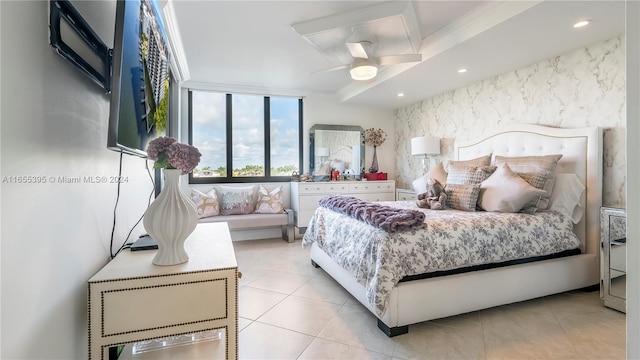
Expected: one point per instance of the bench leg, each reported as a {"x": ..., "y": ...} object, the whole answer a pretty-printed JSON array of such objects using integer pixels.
[{"x": 288, "y": 232}]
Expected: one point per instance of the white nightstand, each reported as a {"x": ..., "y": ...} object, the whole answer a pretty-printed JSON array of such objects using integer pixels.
[{"x": 405, "y": 194}]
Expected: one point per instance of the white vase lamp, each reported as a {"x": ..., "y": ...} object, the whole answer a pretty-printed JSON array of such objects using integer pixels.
[{"x": 425, "y": 146}]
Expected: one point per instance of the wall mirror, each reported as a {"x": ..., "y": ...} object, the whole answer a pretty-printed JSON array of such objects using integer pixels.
[
  {"x": 339, "y": 147},
  {"x": 614, "y": 240}
]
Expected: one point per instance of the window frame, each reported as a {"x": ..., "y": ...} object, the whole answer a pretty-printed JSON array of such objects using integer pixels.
[{"x": 229, "y": 143}]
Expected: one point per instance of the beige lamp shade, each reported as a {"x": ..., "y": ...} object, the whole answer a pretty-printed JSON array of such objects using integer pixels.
[{"x": 425, "y": 145}]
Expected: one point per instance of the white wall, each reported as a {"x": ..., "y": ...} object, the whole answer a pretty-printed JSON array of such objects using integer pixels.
[
  {"x": 322, "y": 109},
  {"x": 55, "y": 236}
]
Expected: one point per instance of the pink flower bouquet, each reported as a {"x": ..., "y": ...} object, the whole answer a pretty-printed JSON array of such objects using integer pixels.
[{"x": 168, "y": 153}]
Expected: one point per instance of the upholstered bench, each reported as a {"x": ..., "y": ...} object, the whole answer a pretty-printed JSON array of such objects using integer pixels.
[{"x": 257, "y": 221}]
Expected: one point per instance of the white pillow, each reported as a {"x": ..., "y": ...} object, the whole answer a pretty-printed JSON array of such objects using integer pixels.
[
  {"x": 505, "y": 191},
  {"x": 568, "y": 196},
  {"x": 437, "y": 172}
]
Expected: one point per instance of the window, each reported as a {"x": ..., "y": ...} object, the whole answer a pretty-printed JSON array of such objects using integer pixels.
[{"x": 257, "y": 137}]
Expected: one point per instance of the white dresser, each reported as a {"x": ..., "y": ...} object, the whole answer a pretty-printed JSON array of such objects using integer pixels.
[{"x": 305, "y": 195}]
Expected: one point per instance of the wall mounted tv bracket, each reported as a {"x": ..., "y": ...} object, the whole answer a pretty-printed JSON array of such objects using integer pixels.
[{"x": 100, "y": 72}]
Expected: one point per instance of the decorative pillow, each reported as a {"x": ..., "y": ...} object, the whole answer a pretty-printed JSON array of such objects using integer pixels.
[
  {"x": 568, "y": 196},
  {"x": 269, "y": 202},
  {"x": 462, "y": 174},
  {"x": 537, "y": 180},
  {"x": 505, "y": 191},
  {"x": 437, "y": 172},
  {"x": 462, "y": 197},
  {"x": 206, "y": 204},
  {"x": 531, "y": 164},
  {"x": 236, "y": 200},
  {"x": 481, "y": 161}
]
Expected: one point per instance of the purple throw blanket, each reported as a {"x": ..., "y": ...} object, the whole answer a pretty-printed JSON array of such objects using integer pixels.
[{"x": 384, "y": 217}]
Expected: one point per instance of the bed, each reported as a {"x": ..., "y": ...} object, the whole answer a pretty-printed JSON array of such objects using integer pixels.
[{"x": 400, "y": 301}]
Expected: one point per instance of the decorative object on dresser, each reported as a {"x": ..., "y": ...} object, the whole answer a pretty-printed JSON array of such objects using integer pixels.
[
  {"x": 305, "y": 196},
  {"x": 613, "y": 264},
  {"x": 335, "y": 147},
  {"x": 130, "y": 300},
  {"x": 425, "y": 146},
  {"x": 172, "y": 216},
  {"x": 375, "y": 138}
]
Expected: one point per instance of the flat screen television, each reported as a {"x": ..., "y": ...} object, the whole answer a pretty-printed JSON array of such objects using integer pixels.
[{"x": 141, "y": 77}]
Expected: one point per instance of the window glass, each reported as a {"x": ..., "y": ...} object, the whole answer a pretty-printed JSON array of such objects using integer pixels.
[
  {"x": 284, "y": 135},
  {"x": 208, "y": 121}
]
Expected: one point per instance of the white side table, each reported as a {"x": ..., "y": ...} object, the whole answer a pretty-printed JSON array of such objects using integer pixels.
[{"x": 132, "y": 300}]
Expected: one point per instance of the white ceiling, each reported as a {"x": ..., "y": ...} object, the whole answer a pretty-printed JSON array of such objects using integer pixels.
[{"x": 250, "y": 46}]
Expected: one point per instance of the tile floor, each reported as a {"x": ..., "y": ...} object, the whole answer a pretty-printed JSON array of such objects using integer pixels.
[{"x": 290, "y": 310}]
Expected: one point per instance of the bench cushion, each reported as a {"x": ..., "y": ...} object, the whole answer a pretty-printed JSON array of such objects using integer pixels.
[{"x": 250, "y": 220}]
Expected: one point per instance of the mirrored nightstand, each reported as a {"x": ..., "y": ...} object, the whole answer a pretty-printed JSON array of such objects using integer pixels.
[{"x": 613, "y": 264}]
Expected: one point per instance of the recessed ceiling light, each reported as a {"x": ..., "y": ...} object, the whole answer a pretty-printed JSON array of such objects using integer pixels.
[
  {"x": 400, "y": 94},
  {"x": 463, "y": 70},
  {"x": 582, "y": 23}
]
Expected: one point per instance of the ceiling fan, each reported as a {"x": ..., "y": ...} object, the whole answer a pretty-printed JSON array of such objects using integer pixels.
[{"x": 365, "y": 65}]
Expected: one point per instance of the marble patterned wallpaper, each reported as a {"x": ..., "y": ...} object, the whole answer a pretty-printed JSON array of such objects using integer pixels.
[{"x": 582, "y": 88}]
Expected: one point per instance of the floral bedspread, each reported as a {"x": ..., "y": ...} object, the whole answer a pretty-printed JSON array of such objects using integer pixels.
[{"x": 449, "y": 239}]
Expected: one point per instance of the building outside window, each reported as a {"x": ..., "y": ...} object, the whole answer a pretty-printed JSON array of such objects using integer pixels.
[{"x": 245, "y": 138}]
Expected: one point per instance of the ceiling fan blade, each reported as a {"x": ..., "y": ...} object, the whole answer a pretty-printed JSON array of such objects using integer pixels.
[
  {"x": 357, "y": 50},
  {"x": 399, "y": 59},
  {"x": 331, "y": 69}
]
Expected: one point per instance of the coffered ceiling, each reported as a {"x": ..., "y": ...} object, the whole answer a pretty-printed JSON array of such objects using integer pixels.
[{"x": 282, "y": 47}]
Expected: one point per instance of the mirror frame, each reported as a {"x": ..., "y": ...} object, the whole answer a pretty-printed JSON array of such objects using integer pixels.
[{"x": 312, "y": 135}]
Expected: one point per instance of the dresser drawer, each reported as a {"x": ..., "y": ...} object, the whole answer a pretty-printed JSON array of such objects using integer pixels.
[
  {"x": 372, "y": 187},
  {"x": 317, "y": 188},
  {"x": 336, "y": 188},
  {"x": 309, "y": 202}
]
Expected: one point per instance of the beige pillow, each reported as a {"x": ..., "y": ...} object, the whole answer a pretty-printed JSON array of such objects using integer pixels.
[
  {"x": 505, "y": 191},
  {"x": 437, "y": 172},
  {"x": 532, "y": 164},
  {"x": 269, "y": 202},
  {"x": 481, "y": 161},
  {"x": 462, "y": 196},
  {"x": 463, "y": 174},
  {"x": 207, "y": 204},
  {"x": 236, "y": 200}
]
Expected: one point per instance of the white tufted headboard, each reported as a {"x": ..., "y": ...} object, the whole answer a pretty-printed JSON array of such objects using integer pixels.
[{"x": 582, "y": 155}]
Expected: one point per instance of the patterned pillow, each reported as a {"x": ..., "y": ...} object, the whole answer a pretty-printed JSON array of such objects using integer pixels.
[
  {"x": 462, "y": 174},
  {"x": 462, "y": 196},
  {"x": 206, "y": 204},
  {"x": 236, "y": 200},
  {"x": 505, "y": 191},
  {"x": 269, "y": 202},
  {"x": 529, "y": 164},
  {"x": 537, "y": 180}
]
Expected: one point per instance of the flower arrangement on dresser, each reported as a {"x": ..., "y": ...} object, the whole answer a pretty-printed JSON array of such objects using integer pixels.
[{"x": 374, "y": 137}]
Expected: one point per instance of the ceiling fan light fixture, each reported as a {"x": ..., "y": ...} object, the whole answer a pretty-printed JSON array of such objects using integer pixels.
[{"x": 363, "y": 69}]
